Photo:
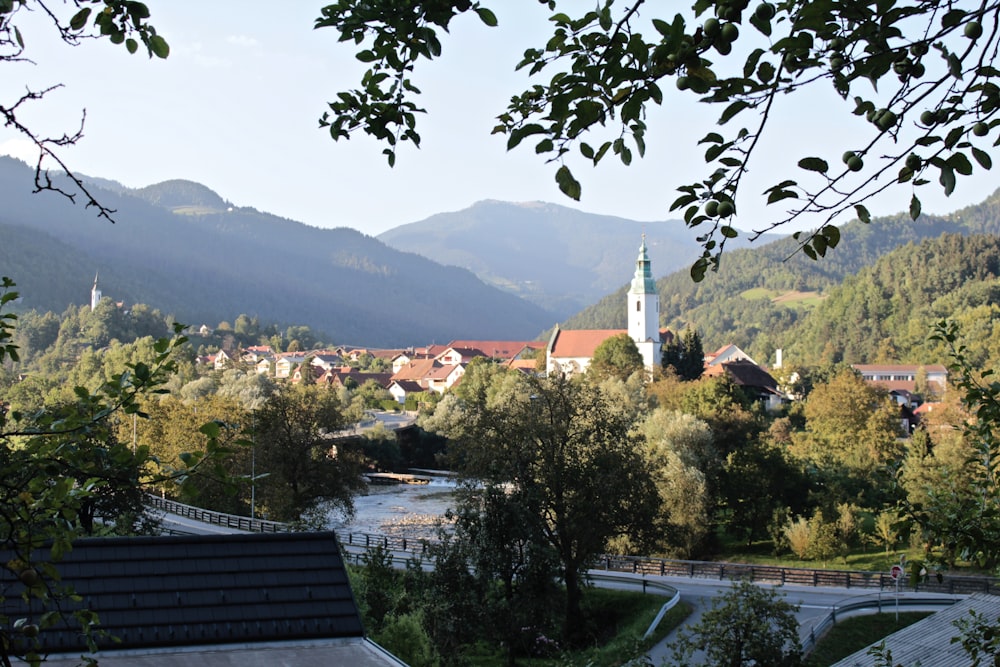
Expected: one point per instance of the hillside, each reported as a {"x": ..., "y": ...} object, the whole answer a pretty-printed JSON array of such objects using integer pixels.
[
  {"x": 557, "y": 257},
  {"x": 759, "y": 295},
  {"x": 182, "y": 248},
  {"x": 885, "y": 312}
]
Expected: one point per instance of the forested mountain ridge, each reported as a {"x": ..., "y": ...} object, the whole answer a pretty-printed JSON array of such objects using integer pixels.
[
  {"x": 885, "y": 313},
  {"x": 561, "y": 258},
  {"x": 760, "y": 295},
  {"x": 199, "y": 257}
]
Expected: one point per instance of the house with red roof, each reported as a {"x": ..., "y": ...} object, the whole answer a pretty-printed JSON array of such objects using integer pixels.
[
  {"x": 500, "y": 349},
  {"x": 569, "y": 351}
]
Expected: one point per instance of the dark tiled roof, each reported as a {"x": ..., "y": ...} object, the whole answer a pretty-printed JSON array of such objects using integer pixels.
[{"x": 216, "y": 589}]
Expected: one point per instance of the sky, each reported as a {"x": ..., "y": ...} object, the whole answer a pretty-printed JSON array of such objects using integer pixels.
[{"x": 236, "y": 106}]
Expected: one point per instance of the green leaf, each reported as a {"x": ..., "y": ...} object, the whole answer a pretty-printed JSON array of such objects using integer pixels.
[
  {"x": 131, "y": 45},
  {"x": 487, "y": 16},
  {"x": 683, "y": 200},
  {"x": 947, "y": 179},
  {"x": 832, "y": 235},
  {"x": 863, "y": 214},
  {"x": 568, "y": 185},
  {"x": 961, "y": 164},
  {"x": 914, "y": 208},
  {"x": 698, "y": 269},
  {"x": 732, "y": 110},
  {"x": 982, "y": 158},
  {"x": 819, "y": 245},
  {"x": 814, "y": 164},
  {"x": 777, "y": 194},
  {"x": 952, "y": 18},
  {"x": 79, "y": 20},
  {"x": 159, "y": 46}
]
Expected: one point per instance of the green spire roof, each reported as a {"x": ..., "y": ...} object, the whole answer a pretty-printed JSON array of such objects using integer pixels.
[{"x": 642, "y": 282}]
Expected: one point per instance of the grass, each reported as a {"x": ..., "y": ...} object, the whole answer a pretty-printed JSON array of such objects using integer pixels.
[
  {"x": 761, "y": 553},
  {"x": 792, "y": 299},
  {"x": 853, "y": 634},
  {"x": 621, "y": 617}
]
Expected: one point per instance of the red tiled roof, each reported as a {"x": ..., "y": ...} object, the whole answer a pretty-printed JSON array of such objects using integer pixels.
[
  {"x": 501, "y": 349},
  {"x": 571, "y": 343},
  {"x": 415, "y": 370}
]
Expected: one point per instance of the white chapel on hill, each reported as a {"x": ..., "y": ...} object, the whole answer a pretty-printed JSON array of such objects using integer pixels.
[{"x": 570, "y": 350}]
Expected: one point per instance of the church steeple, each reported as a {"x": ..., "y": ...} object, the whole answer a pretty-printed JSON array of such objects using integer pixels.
[
  {"x": 642, "y": 282},
  {"x": 95, "y": 294},
  {"x": 643, "y": 303}
]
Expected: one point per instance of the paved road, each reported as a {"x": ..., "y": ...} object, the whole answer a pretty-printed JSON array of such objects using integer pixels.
[{"x": 814, "y": 603}]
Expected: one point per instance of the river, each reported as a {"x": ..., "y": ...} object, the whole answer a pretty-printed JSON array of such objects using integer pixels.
[{"x": 404, "y": 510}]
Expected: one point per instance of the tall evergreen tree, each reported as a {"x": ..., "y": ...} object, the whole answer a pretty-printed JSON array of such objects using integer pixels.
[{"x": 686, "y": 355}]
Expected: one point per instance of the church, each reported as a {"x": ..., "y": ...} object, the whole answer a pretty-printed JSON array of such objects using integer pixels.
[{"x": 570, "y": 350}]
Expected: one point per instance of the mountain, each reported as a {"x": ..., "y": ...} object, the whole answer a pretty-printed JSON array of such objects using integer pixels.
[
  {"x": 557, "y": 257},
  {"x": 183, "y": 249},
  {"x": 760, "y": 295}
]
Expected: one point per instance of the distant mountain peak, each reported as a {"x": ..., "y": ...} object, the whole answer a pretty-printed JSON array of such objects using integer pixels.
[{"x": 182, "y": 194}]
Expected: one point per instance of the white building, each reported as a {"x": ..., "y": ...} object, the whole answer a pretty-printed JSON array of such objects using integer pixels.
[{"x": 570, "y": 351}]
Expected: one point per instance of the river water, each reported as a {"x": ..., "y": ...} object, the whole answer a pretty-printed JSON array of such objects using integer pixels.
[{"x": 404, "y": 510}]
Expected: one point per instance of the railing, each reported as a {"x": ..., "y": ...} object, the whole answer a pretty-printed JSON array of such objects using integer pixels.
[
  {"x": 675, "y": 595},
  {"x": 773, "y": 574},
  {"x": 817, "y": 631},
  {"x": 216, "y": 518}
]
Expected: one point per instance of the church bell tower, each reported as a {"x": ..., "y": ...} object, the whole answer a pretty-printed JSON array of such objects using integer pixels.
[{"x": 643, "y": 304}]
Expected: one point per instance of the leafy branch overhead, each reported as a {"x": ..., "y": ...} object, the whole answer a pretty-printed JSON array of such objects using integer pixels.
[
  {"x": 919, "y": 78},
  {"x": 120, "y": 21}
]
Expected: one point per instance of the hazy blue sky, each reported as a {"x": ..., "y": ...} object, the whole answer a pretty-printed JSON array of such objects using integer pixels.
[{"x": 236, "y": 104}]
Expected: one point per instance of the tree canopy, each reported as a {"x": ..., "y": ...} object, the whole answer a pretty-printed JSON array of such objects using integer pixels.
[{"x": 919, "y": 78}]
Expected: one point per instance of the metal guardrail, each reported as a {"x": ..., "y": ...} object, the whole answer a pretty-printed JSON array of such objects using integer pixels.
[
  {"x": 645, "y": 583},
  {"x": 772, "y": 574},
  {"x": 216, "y": 518},
  {"x": 819, "y": 629}
]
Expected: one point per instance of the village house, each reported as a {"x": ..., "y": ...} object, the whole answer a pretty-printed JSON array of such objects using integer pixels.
[
  {"x": 755, "y": 382},
  {"x": 400, "y": 389},
  {"x": 287, "y": 363},
  {"x": 505, "y": 350},
  {"x": 904, "y": 376},
  {"x": 458, "y": 355},
  {"x": 726, "y": 354}
]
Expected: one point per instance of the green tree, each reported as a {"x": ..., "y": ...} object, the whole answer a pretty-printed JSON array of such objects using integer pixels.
[
  {"x": 685, "y": 355},
  {"x": 757, "y": 480},
  {"x": 616, "y": 357},
  {"x": 851, "y": 423},
  {"x": 750, "y": 625},
  {"x": 66, "y": 474},
  {"x": 513, "y": 562},
  {"x": 305, "y": 469},
  {"x": 965, "y": 519},
  {"x": 685, "y": 464},
  {"x": 573, "y": 458},
  {"x": 919, "y": 78}
]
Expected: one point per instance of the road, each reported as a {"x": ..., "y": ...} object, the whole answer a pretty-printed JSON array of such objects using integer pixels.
[{"x": 814, "y": 603}]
